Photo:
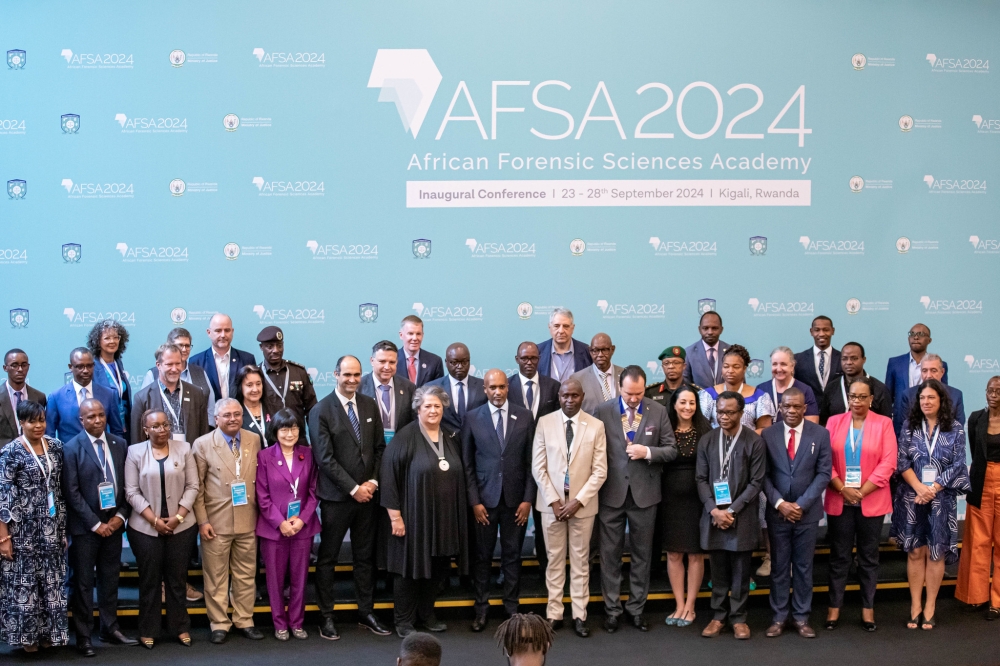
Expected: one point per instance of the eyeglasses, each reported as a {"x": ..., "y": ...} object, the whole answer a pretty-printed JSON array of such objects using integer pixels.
[
  {"x": 594, "y": 351},
  {"x": 853, "y": 397},
  {"x": 729, "y": 412},
  {"x": 159, "y": 427},
  {"x": 917, "y": 334},
  {"x": 992, "y": 391},
  {"x": 180, "y": 346}
]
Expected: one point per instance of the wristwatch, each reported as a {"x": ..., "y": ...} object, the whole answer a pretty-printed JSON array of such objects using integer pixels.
[{"x": 180, "y": 518}]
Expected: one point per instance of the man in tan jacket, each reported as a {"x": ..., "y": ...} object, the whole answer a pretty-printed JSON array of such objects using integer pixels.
[
  {"x": 570, "y": 464},
  {"x": 226, "y": 509}
]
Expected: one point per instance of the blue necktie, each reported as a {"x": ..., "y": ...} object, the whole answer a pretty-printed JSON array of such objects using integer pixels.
[
  {"x": 530, "y": 395},
  {"x": 386, "y": 418},
  {"x": 354, "y": 420},
  {"x": 460, "y": 408},
  {"x": 500, "y": 427},
  {"x": 102, "y": 457},
  {"x": 20, "y": 397}
]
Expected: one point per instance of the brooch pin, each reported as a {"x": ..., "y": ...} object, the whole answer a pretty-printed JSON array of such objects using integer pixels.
[{"x": 301, "y": 457}]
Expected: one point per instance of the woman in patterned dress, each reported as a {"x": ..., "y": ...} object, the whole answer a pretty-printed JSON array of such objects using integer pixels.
[
  {"x": 32, "y": 537},
  {"x": 931, "y": 462}
]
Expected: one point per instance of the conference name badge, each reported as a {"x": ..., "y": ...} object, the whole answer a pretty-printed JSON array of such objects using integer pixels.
[
  {"x": 52, "y": 504},
  {"x": 722, "y": 496},
  {"x": 294, "y": 507},
  {"x": 239, "y": 489},
  {"x": 389, "y": 434},
  {"x": 106, "y": 493},
  {"x": 852, "y": 476},
  {"x": 928, "y": 475}
]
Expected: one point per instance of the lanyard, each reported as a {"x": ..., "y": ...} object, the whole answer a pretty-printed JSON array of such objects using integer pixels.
[
  {"x": 284, "y": 390},
  {"x": 294, "y": 486},
  {"x": 260, "y": 424},
  {"x": 386, "y": 416},
  {"x": 931, "y": 443},
  {"x": 48, "y": 461},
  {"x": 724, "y": 462},
  {"x": 774, "y": 390},
  {"x": 437, "y": 448},
  {"x": 107, "y": 453},
  {"x": 118, "y": 383},
  {"x": 855, "y": 459},
  {"x": 170, "y": 408}
]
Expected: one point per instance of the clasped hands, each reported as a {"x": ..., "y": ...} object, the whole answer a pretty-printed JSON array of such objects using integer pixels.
[{"x": 564, "y": 512}]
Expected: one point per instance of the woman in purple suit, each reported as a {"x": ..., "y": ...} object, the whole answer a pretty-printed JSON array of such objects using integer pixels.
[{"x": 287, "y": 521}]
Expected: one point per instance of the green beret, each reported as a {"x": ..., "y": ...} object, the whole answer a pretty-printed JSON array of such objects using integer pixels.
[{"x": 673, "y": 352}]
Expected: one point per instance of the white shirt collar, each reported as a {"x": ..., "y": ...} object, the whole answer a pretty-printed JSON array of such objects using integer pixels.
[
  {"x": 708, "y": 346},
  {"x": 797, "y": 429},
  {"x": 575, "y": 419},
  {"x": 344, "y": 400},
  {"x": 611, "y": 369},
  {"x": 13, "y": 394},
  {"x": 817, "y": 350},
  {"x": 525, "y": 380},
  {"x": 455, "y": 382},
  {"x": 494, "y": 409},
  {"x": 222, "y": 357},
  {"x": 378, "y": 382},
  {"x": 408, "y": 355},
  {"x": 89, "y": 387},
  {"x": 94, "y": 440}
]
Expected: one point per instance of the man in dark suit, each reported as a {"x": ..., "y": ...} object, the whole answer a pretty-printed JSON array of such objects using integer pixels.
[
  {"x": 415, "y": 364},
  {"x": 183, "y": 403},
  {"x": 834, "y": 398},
  {"x": 15, "y": 391},
  {"x": 904, "y": 372},
  {"x": 799, "y": 463},
  {"x": 222, "y": 361},
  {"x": 639, "y": 440},
  {"x": 347, "y": 443},
  {"x": 728, "y": 486},
  {"x": 703, "y": 359},
  {"x": 62, "y": 414},
  {"x": 93, "y": 485},
  {"x": 529, "y": 388},
  {"x": 496, "y": 448},
  {"x": 931, "y": 367},
  {"x": 466, "y": 392},
  {"x": 819, "y": 365},
  {"x": 392, "y": 392},
  {"x": 562, "y": 354}
]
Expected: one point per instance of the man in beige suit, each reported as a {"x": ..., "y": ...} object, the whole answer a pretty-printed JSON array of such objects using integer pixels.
[
  {"x": 567, "y": 498},
  {"x": 226, "y": 509}
]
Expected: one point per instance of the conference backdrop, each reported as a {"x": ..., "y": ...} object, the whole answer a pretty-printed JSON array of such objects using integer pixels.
[{"x": 333, "y": 167}]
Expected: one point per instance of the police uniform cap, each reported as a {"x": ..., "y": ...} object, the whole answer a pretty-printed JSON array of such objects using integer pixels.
[{"x": 270, "y": 334}]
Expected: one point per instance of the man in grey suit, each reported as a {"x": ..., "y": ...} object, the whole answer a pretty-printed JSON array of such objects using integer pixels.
[
  {"x": 600, "y": 380},
  {"x": 466, "y": 392},
  {"x": 13, "y": 392},
  {"x": 639, "y": 440},
  {"x": 392, "y": 392},
  {"x": 799, "y": 464},
  {"x": 729, "y": 471},
  {"x": 704, "y": 358},
  {"x": 184, "y": 404}
]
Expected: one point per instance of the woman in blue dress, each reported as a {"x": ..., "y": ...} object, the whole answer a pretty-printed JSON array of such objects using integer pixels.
[
  {"x": 107, "y": 341},
  {"x": 931, "y": 462},
  {"x": 32, "y": 537}
]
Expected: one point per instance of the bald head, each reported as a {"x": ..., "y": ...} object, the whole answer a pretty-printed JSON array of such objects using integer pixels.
[
  {"x": 220, "y": 331},
  {"x": 495, "y": 385},
  {"x": 92, "y": 417},
  {"x": 601, "y": 350},
  {"x": 456, "y": 357}
]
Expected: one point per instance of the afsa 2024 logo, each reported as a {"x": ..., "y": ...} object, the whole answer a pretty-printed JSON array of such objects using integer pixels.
[
  {"x": 151, "y": 124},
  {"x": 500, "y": 249},
  {"x": 781, "y": 308},
  {"x": 985, "y": 245},
  {"x": 955, "y": 185},
  {"x": 986, "y": 125},
  {"x": 89, "y": 317},
  {"x": 982, "y": 365},
  {"x": 456, "y": 312},
  {"x": 342, "y": 251},
  {"x": 97, "y": 60},
  {"x": 290, "y": 315},
  {"x": 288, "y": 59},
  {"x": 958, "y": 65},
  {"x": 947, "y": 306},
  {"x": 612, "y": 310},
  {"x": 288, "y": 188}
]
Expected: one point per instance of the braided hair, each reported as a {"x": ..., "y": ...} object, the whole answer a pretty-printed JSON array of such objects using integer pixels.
[{"x": 524, "y": 631}]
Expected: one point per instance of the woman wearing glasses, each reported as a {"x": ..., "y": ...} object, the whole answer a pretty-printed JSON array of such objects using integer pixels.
[
  {"x": 931, "y": 463},
  {"x": 981, "y": 544},
  {"x": 858, "y": 497}
]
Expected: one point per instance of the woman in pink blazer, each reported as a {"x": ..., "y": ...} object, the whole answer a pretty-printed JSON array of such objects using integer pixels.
[
  {"x": 858, "y": 497},
  {"x": 286, "y": 522}
]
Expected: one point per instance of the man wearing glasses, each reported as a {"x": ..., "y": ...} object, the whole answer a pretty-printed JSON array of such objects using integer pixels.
[
  {"x": 600, "y": 380},
  {"x": 903, "y": 371}
]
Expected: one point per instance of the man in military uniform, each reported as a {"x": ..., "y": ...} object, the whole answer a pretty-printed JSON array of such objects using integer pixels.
[
  {"x": 672, "y": 359},
  {"x": 286, "y": 384}
]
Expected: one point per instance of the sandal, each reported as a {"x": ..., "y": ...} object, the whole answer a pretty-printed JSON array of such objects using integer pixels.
[
  {"x": 928, "y": 623},
  {"x": 914, "y": 622}
]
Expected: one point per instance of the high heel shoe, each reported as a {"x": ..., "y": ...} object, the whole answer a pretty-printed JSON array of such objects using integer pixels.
[
  {"x": 185, "y": 641},
  {"x": 146, "y": 643}
]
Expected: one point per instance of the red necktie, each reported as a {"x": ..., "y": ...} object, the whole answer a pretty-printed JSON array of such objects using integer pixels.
[
  {"x": 411, "y": 369},
  {"x": 791, "y": 445}
]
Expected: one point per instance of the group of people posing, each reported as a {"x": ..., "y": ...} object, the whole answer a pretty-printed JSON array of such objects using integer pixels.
[{"x": 427, "y": 466}]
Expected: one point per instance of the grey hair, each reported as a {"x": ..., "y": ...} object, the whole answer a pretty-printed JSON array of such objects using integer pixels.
[
  {"x": 784, "y": 350},
  {"x": 932, "y": 357},
  {"x": 560, "y": 311},
  {"x": 427, "y": 391},
  {"x": 225, "y": 402}
]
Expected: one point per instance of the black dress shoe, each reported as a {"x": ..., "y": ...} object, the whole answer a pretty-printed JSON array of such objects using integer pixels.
[
  {"x": 556, "y": 624},
  {"x": 118, "y": 638},
  {"x": 611, "y": 624},
  {"x": 478, "y": 624},
  {"x": 218, "y": 637},
  {"x": 639, "y": 622},
  {"x": 371, "y": 623},
  {"x": 85, "y": 647},
  {"x": 404, "y": 630},
  {"x": 328, "y": 630},
  {"x": 435, "y": 625},
  {"x": 868, "y": 626},
  {"x": 252, "y": 633},
  {"x": 580, "y": 627},
  {"x": 831, "y": 624}
]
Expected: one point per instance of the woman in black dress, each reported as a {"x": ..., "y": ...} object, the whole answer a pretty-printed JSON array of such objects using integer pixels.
[
  {"x": 682, "y": 509},
  {"x": 423, "y": 489}
]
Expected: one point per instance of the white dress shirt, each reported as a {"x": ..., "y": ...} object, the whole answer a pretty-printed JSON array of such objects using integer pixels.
[
  {"x": 392, "y": 400},
  {"x": 535, "y": 391},
  {"x": 76, "y": 390},
  {"x": 608, "y": 377},
  {"x": 110, "y": 470},
  {"x": 222, "y": 368},
  {"x": 454, "y": 391},
  {"x": 344, "y": 401},
  {"x": 798, "y": 440},
  {"x": 823, "y": 377},
  {"x": 914, "y": 371}
]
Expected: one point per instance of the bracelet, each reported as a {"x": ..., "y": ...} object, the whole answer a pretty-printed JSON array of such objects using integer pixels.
[{"x": 5, "y": 539}]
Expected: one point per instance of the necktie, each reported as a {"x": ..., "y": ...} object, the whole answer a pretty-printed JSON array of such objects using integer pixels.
[
  {"x": 605, "y": 389},
  {"x": 83, "y": 394},
  {"x": 20, "y": 396},
  {"x": 822, "y": 367},
  {"x": 354, "y": 420},
  {"x": 411, "y": 368},
  {"x": 711, "y": 361},
  {"x": 791, "y": 445},
  {"x": 530, "y": 395},
  {"x": 631, "y": 416},
  {"x": 100, "y": 454},
  {"x": 569, "y": 449},
  {"x": 500, "y": 427},
  {"x": 460, "y": 407},
  {"x": 386, "y": 418},
  {"x": 234, "y": 446}
]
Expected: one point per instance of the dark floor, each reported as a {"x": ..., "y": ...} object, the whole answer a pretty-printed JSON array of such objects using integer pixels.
[{"x": 961, "y": 639}]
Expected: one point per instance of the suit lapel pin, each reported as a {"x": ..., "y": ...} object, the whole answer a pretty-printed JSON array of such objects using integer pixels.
[
  {"x": 423, "y": 365},
  {"x": 280, "y": 464},
  {"x": 513, "y": 418}
]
